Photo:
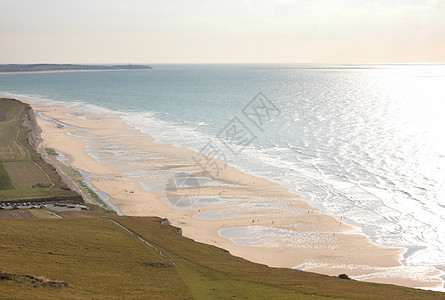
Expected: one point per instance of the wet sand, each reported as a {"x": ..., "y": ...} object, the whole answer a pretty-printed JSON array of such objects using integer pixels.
[{"x": 228, "y": 203}]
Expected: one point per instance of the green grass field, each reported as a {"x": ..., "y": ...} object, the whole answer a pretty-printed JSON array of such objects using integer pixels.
[
  {"x": 99, "y": 259},
  {"x": 24, "y": 175},
  {"x": 5, "y": 181},
  {"x": 7, "y": 151}
]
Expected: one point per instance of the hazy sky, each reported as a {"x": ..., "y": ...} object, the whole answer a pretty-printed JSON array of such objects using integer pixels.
[{"x": 145, "y": 31}]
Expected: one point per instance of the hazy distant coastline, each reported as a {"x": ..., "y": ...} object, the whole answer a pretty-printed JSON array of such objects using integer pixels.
[{"x": 13, "y": 68}]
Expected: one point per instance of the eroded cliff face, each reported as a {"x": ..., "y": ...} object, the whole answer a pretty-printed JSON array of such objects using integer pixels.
[
  {"x": 33, "y": 136},
  {"x": 34, "y": 139}
]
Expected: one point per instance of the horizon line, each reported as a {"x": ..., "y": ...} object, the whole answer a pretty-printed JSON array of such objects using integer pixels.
[{"x": 227, "y": 63}]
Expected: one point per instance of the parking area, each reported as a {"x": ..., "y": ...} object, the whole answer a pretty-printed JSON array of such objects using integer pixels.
[{"x": 57, "y": 207}]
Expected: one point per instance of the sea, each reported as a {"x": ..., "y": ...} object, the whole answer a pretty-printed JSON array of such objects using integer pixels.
[{"x": 363, "y": 143}]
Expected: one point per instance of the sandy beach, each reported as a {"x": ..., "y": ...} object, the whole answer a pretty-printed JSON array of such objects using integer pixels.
[{"x": 141, "y": 178}]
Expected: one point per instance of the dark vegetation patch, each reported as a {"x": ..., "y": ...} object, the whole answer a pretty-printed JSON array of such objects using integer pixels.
[
  {"x": 155, "y": 265},
  {"x": 36, "y": 281}
]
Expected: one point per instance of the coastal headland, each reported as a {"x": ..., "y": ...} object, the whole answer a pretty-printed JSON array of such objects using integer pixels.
[{"x": 17, "y": 68}]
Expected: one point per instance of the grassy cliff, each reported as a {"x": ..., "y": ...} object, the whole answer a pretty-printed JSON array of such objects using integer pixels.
[{"x": 24, "y": 176}]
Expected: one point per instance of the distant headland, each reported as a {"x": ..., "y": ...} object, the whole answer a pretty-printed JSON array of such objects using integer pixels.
[{"x": 67, "y": 67}]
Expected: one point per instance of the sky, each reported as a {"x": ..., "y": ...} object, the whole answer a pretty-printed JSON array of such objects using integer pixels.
[{"x": 225, "y": 31}]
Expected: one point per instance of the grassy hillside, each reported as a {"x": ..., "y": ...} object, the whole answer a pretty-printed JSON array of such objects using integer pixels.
[
  {"x": 99, "y": 259},
  {"x": 92, "y": 255},
  {"x": 23, "y": 174}
]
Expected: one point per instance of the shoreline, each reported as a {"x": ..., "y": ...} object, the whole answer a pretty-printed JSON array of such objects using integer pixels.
[{"x": 331, "y": 248}]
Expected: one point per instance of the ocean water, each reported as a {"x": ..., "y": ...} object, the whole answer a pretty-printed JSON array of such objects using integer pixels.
[{"x": 365, "y": 144}]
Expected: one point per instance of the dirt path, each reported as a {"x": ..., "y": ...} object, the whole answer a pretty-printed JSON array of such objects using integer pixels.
[{"x": 142, "y": 240}]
